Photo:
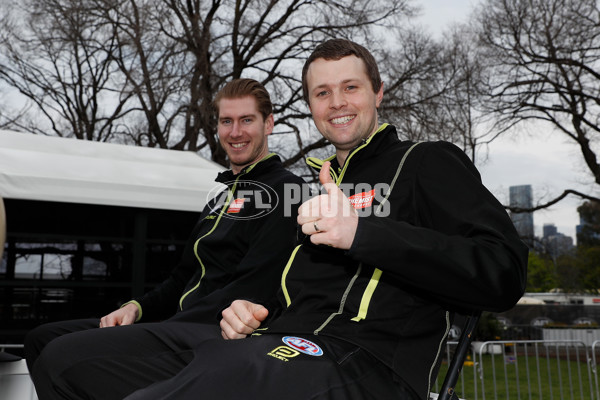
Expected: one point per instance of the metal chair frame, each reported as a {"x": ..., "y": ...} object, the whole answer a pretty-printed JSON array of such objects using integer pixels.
[{"x": 462, "y": 350}]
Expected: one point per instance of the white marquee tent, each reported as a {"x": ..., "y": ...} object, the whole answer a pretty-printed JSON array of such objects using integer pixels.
[{"x": 37, "y": 167}]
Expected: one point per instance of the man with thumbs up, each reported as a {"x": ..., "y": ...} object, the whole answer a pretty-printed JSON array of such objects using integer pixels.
[
  {"x": 377, "y": 285},
  {"x": 403, "y": 235}
]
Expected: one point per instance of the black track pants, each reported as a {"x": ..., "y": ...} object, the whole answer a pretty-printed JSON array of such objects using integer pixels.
[
  {"x": 111, "y": 363},
  {"x": 37, "y": 338},
  {"x": 267, "y": 367}
]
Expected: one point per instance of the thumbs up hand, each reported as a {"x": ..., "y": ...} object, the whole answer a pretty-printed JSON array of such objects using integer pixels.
[{"x": 329, "y": 218}]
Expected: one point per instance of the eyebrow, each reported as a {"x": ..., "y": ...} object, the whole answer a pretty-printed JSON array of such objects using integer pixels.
[
  {"x": 323, "y": 85},
  {"x": 240, "y": 117}
]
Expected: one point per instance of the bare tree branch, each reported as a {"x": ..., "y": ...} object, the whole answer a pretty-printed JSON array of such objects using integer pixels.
[
  {"x": 545, "y": 56},
  {"x": 553, "y": 201}
]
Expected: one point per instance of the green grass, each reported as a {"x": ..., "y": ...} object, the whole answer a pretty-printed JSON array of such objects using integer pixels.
[{"x": 512, "y": 381}]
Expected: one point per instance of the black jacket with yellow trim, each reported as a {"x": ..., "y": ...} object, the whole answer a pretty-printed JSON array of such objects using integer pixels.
[
  {"x": 233, "y": 252},
  {"x": 442, "y": 243}
]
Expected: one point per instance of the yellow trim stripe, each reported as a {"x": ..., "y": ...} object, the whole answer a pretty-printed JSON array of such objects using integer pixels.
[
  {"x": 367, "y": 141},
  {"x": 288, "y": 301},
  {"x": 318, "y": 163},
  {"x": 396, "y": 177},
  {"x": 367, "y": 295},
  {"x": 439, "y": 352},
  {"x": 138, "y": 305},
  {"x": 342, "y": 301},
  {"x": 229, "y": 198}
]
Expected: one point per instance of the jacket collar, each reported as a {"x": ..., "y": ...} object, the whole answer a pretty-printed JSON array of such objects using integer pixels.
[
  {"x": 380, "y": 140},
  {"x": 267, "y": 162}
]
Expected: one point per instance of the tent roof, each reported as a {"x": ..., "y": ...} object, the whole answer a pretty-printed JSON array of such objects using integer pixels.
[
  {"x": 530, "y": 300},
  {"x": 37, "y": 167}
]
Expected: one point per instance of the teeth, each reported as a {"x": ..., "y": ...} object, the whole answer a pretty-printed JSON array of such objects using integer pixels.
[
  {"x": 342, "y": 120},
  {"x": 238, "y": 145}
]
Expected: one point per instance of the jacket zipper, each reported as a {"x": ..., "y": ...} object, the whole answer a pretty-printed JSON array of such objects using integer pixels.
[
  {"x": 314, "y": 162},
  {"x": 227, "y": 203}
]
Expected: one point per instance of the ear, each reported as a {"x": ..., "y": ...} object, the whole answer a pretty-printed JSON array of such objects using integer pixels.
[
  {"x": 269, "y": 124},
  {"x": 379, "y": 96}
]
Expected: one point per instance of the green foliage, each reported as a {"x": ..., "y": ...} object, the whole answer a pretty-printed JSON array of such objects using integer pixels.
[
  {"x": 588, "y": 267},
  {"x": 569, "y": 274},
  {"x": 541, "y": 276},
  {"x": 574, "y": 273}
]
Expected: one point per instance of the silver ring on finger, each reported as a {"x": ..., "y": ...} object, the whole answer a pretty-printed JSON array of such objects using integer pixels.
[{"x": 316, "y": 226}]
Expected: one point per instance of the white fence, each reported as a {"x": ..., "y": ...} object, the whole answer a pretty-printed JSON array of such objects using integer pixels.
[{"x": 529, "y": 370}]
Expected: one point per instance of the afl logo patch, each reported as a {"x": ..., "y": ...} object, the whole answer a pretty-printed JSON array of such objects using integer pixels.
[{"x": 303, "y": 345}]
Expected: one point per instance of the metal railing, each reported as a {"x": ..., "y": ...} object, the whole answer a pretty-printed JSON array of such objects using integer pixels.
[
  {"x": 594, "y": 366},
  {"x": 528, "y": 370}
]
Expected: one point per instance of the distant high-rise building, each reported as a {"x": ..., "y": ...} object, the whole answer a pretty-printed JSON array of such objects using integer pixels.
[
  {"x": 588, "y": 230},
  {"x": 555, "y": 243},
  {"x": 549, "y": 230},
  {"x": 521, "y": 197},
  {"x": 558, "y": 244}
]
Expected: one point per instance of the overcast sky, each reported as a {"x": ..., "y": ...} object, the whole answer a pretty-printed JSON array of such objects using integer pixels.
[{"x": 544, "y": 159}]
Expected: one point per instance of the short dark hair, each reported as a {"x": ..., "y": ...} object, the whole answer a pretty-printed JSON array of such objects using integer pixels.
[
  {"x": 335, "y": 49},
  {"x": 243, "y": 87}
]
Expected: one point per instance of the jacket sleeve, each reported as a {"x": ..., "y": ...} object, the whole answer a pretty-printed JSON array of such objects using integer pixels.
[{"x": 461, "y": 250}]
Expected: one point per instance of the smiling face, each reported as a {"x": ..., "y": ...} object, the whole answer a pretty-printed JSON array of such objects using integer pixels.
[
  {"x": 342, "y": 102},
  {"x": 243, "y": 131}
]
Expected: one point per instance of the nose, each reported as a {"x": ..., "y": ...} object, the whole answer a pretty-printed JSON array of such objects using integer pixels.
[
  {"x": 338, "y": 100},
  {"x": 235, "y": 130}
]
